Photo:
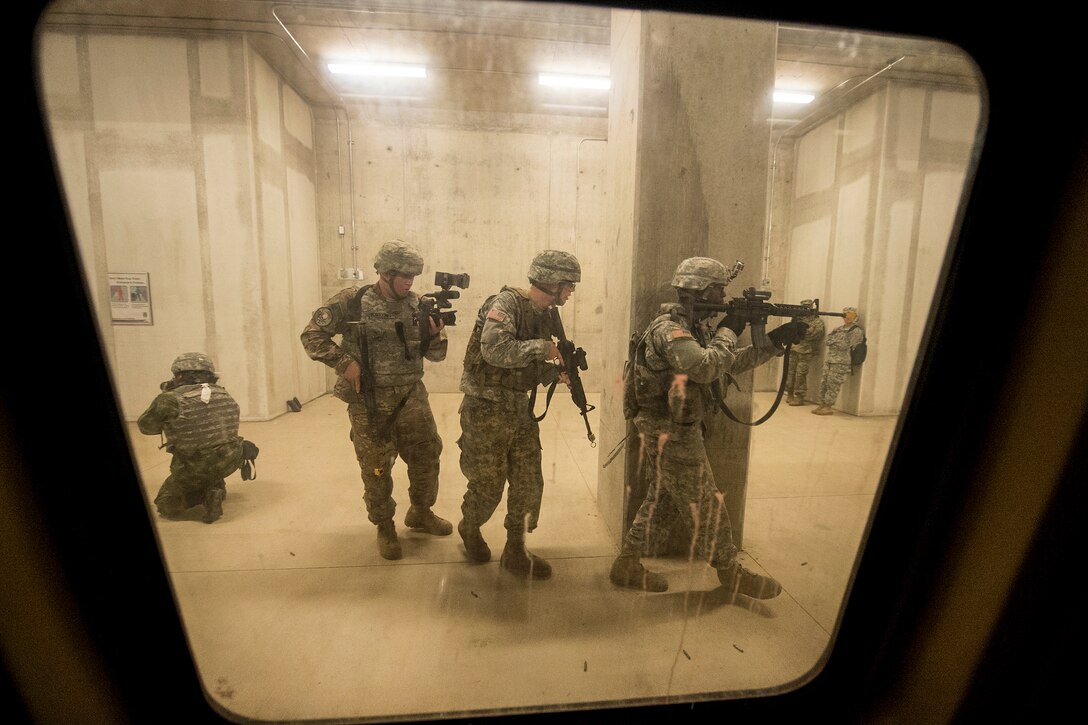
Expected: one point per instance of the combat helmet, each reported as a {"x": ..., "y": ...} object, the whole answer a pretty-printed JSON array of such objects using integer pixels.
[
  {"x": 398, "y": 256},
  {"x": 698, "y": 273},
  {"x": 553, "y": 266},
  {"x": 192, "y": 361}
]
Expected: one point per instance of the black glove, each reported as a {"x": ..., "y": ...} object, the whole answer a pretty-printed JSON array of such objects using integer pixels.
[
  {"x": 790, "y": 333},
  {"x": 735, "y": 323}
]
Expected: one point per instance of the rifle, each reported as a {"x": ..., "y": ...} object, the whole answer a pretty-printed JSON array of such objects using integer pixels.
[
  {"x": 574, "y": 359},
  {"x": 366, "y": 382},
  {"x": 753, "y": 307}
]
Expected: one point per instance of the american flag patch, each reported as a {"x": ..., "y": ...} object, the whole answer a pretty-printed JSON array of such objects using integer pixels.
[
  {"x": 680, "y": 333},
  {"x": 496, "y": 315}
]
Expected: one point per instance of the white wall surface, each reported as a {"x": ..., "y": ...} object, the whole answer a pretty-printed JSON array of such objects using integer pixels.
[
  {"x": 185, "y": 158},
  {"x": 884, "y": 180}
]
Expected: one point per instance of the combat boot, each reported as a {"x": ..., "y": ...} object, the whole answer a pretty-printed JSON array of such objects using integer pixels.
[
  {"x": 628, "y": 572},
  {"x": 795, "y": 400},
  {"x": 516, "y": 559},
  {"x": 423, "y": 518},
  {"x": 823, "y": 410},
  {"x": 475, "y": 545},
  {"x": 738, "y": 580},
  {"x": 388, "y": 543},
  {"x": 213, "y": 504}
]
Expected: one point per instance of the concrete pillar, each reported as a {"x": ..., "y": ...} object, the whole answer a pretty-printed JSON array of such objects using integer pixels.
[{"x": 688, "y": 135}]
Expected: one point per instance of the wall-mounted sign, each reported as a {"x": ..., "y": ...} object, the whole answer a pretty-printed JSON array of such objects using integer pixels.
[{"x": 130, "y": 298}]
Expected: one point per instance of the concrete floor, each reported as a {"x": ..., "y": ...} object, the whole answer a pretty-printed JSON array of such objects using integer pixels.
[{"x": 292, "y": 615}]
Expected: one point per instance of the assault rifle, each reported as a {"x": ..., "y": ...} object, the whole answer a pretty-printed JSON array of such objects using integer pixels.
[
  {"x": 432, "y": 304},
  {"x": 754, "y": 307},
  {"x": 574, "y": 359}
]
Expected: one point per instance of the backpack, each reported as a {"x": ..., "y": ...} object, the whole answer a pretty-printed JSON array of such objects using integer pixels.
[{"x": 859, "y": 351}]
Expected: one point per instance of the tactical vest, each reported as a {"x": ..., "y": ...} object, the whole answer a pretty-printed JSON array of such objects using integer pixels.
[
  {"x": 392, "y": 335},
  {"x": 655, "y": 383},
  {"x": 531, "y": 325},
  {"x": 202, "y": 425}
]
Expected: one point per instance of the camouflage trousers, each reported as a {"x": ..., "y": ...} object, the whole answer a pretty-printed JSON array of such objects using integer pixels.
[
  {"x": 797, "y": 374},
  {"x": 412, "y": 435},
  {"x": 680, "y": 491},
  {"x": 834, "y": 375},
  {"x": 193, "y": 476},
  {"x": 497, "y": 448}
]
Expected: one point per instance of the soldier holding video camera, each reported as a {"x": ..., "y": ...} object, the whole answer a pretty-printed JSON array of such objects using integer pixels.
[{"x": 387, "y": 330}]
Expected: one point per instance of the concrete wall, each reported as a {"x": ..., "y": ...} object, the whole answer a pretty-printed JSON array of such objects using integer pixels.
[
  {"x": 189, "y": 159},
  {"x": 477, "y": 195},
  {"x": 867, "y": 204},
  {"x": 614, "y": 481},
  {"x": 690, "y": 101}
]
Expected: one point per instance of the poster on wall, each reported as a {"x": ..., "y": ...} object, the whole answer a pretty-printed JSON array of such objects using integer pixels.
[{"x": 130, "y": 298}]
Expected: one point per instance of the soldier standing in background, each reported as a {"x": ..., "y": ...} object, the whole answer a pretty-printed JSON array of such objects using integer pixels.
[
  {"x": 379, "y": 368},
  {"x": 675, "y": 376},
  {"x": 199, "y": 420},
  {"x": 801, "y": 358},
  {"x": 837, "y": 362},
  {"x": 509, "y": 354}
]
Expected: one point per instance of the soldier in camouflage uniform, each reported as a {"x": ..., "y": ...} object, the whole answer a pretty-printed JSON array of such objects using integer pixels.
[
  {"x": 387, "y": 401},
  {"x": 837, "y": 367},
  {"x": 199, "y": 420},
  {"x": 801, "y": 358},
  {"x": 509, "y": 353},
  {"x": 679, "y": 365}
]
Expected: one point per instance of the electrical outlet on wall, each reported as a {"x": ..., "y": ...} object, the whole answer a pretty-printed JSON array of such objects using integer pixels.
[{"x": 350, "y": 273}]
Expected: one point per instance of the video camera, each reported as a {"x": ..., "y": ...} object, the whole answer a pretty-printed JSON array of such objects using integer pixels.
[{"x": 432, "y": 303}]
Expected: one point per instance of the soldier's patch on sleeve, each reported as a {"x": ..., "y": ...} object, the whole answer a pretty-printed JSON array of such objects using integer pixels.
[
  {"x": 323, "y": 317},
  {"x": 681, "y": 333},
  {"x": 496, "y": 315}
]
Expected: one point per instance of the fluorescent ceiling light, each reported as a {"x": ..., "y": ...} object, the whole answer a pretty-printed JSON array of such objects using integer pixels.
[
  {"x": 551, "y": 79},
  {"x": 793, "y": 97},
  {"x": 388, "y": 70}
]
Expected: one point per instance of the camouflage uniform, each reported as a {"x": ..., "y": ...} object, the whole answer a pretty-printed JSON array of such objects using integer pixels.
[
  {"x": 801, "y": 356},
  {"x": 499, "y": 440},
  {"x": 677, "y": 378},
  {"x": 392, "y": 417},
  {"x": 200, "y": 424},
  {"x": 839, "y": 343},
  {"x": 507, "y": 357},
  {"x": 673, "y": 386}
]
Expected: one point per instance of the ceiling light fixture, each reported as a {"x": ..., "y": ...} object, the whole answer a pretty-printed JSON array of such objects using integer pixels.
[
  {"x": 386, "y": 70},
  {"x": 564, "y": 81},
  {"x": 793, "y": 97}
]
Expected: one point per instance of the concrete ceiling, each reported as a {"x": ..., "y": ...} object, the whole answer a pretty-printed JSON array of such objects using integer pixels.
[{"x": 484, "y": 56}]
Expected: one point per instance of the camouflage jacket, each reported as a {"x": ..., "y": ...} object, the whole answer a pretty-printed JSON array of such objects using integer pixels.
[
  {"x": 814, "y": 335},
  {"x": 674, "y": 372},
  {"x": 841, "y": 341},
  {"x": 195, "y": 419},
  {"x": 393, "y": 339},
  {"x": 507, "y": 352}
]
